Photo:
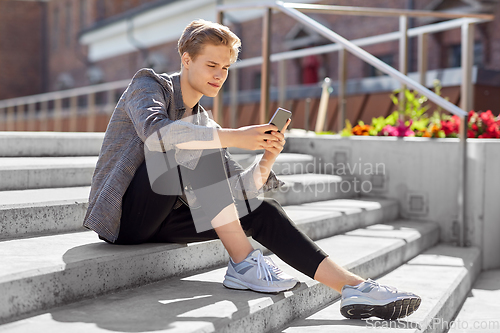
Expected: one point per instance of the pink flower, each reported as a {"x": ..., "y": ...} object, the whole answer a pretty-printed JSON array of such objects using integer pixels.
[{"x": 400, "y": 130}]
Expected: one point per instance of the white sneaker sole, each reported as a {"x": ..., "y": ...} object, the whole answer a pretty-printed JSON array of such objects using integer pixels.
[
  {"x": 234, "y": 283},
  {"x": 395, "y": 309}
]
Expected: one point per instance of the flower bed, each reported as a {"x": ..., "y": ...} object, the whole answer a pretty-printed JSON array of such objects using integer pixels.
[{"x": 414, "y": 120}]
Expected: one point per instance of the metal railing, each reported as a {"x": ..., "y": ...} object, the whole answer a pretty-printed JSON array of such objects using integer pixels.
[
  {"x": 29, "y": 106},
  {"x": 467, "y": 25}
]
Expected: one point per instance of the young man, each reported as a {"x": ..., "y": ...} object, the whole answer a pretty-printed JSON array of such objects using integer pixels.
[{"x": 203, "y": 193}]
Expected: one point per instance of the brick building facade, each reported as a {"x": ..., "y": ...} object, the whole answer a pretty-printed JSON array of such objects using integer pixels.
[
  {"x": 22, "y": 60},
  {"x": 48, "y": 49}
]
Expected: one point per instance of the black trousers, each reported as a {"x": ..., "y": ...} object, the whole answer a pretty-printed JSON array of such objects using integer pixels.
[{"x": 148, "y": 217}]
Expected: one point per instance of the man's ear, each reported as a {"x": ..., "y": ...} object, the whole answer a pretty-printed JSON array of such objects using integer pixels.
[{"x": 186, "y": 60}]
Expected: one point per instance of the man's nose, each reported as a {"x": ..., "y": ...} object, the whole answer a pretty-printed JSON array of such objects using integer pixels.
[{"x": 219, "y": 75}]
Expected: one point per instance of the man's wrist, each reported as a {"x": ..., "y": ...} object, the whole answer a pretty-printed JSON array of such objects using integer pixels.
[{"x": 226, "y": 137}]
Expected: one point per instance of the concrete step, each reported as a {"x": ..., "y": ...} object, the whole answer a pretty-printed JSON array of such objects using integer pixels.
[
  {"x": 21, "y": 173},
  {"x": 55, "y": 210},
  {"x": 481, "y": 311},
  {"x": 302, "y": 188},
  {"x": 36, "y": 144},
  {"x": 285, "y": 164},
  {"x": 199, "y": 303},
  {"x": 441, "y": 276},
  {"x": 38, "y": 273},
  {"x": 28, "y": 213}
]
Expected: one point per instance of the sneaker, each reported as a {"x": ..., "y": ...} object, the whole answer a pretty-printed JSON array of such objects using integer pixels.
[
  {"x": 258, "y": 273},
  {"x": 370, "y": 299}
]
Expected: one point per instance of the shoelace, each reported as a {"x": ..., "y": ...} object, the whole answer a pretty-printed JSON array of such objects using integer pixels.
[
  {"x": 391, "y": 289},
  {"x": 266, "y": 267}
]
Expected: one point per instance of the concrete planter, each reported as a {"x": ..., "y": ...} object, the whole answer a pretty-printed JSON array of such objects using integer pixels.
[{"x": 422, "y": 174}]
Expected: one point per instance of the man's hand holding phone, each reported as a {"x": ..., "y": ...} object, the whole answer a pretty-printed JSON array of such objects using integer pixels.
[
  {"x": 281, "y": 119},
  {"x": 265, "y": 136}
]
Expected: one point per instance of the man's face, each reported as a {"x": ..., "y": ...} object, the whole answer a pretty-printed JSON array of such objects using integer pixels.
[{"x": 208, "y": 72}]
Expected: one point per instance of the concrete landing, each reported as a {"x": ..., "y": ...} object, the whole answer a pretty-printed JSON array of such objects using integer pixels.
[
  {"x": 441, "y": 276},
  {"x": 199, "y": 303},
  {"x": 481, "y": 310}
]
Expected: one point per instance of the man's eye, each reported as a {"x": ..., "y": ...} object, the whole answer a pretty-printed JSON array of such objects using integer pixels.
[{"x": 211, "y": 66}]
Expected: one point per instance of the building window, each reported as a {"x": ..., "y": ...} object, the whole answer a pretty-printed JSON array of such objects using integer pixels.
[
  {"x": 69, "y": 30},
  {"x": 55, "y": 31},
  {"x": 372, "y": 71},
  {"x": 455, "y": 55}
]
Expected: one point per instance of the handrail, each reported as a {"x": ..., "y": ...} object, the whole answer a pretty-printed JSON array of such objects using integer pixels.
[
  {"x": 45, "y": 97},
  {"x": 365, "y": 41},
  {"x": 372, "y": 60},
  {"x": 370, "y": 11},
  {"x": 431, "y": 28}
]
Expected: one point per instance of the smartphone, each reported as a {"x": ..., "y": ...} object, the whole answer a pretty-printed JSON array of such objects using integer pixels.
[{"x": 280, "y": 118}]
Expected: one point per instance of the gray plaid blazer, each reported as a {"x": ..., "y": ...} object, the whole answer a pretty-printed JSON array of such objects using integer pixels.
[{"x": 152, "y": 105}]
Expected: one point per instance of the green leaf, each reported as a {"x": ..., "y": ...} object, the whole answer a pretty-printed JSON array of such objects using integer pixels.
[{"x": 347, "y": 131}]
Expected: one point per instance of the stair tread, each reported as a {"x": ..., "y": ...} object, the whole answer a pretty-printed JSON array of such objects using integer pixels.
[
  {"x": 36, "y": 253},
  {"x": 198, "y": 301},
  {"x": 20, "y": 143},
  {"x": 433, "y": 275},
  {"x": 24, "y": 163},
  {"x": 293, "y": 157},
  {"x": 54, "y": 210},
  {"x": 309, "y": 178},
  {"x": 45, "y": 196}
]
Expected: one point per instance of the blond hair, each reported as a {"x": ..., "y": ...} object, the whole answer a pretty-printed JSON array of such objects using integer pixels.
[{"x": 200, "y": 32}]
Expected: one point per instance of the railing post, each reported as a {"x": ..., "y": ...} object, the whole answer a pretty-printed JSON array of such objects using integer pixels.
[
  {"x": 91, "y": 112},
  {"x": 217, "y": 100},
  {"x": 281, "y": 82},
  {"x": 422, "y": 57},
  {"x": 73, "y": 113},
  {"x": 44, "y": 105},
  {"x": 467, "y": 61},
  {"x": 57, "y": 115},
  {"x": 467, "y": 105},
  {"x": 342, "y": 88},
  {"x": 403, "y": 56},
  {"x": 31, "y": 116},
  {"x": 2, "y": 119},
  {"x": 306, "y": 113},
  {"x": 20, "y": 118},
  {"x": 110, "y": 104},
  {"x": 323, "y": 105},
  {"x": 10, "y": 118},
  {"x": 266, "y": 56},
  {"x": 110, "y": 101},
  {"x": 233, "y": 73}
]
